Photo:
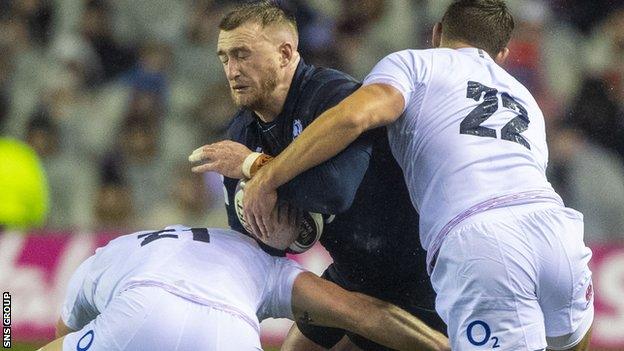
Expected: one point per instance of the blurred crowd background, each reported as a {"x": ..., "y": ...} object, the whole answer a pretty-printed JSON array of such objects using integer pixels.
[{"x": 113, "y": 95}]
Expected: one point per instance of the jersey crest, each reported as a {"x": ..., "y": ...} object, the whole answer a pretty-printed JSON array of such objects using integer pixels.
[{"x": 297, "y": 128}]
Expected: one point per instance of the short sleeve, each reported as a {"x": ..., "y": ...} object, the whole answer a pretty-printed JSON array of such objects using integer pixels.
[
  {"x": 402, "y": 70},
  {"x": 78, "y": 309},
  {"x": 277, "y": 301}
]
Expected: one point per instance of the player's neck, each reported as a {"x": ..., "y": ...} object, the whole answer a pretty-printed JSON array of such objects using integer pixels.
[
  {"x": 277, "y": 99},
  {"x": 499, "y": 58},
  {"x": 454, "y": 44}
]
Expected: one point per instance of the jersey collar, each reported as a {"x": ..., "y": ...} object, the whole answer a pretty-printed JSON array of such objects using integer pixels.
[
  {"x": 476, "y": 52},
  {"x": 294, "y": 90}
]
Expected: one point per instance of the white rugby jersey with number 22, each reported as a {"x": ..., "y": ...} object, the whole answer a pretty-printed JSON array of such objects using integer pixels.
[{"x": 471, "y": 137}]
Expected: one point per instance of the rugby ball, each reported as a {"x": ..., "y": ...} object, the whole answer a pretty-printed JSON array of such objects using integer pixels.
[{"x": 310, "y": 226}]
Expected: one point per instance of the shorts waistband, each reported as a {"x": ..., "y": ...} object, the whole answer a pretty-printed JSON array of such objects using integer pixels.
[{"x": 528, "y": 197}]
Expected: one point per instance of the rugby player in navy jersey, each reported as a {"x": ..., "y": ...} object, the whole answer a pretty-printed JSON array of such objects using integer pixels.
[{"x": 373, "y": 239}]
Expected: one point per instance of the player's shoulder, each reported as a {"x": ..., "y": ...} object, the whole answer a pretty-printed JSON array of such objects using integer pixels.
[
  {"x": 325, "y": 75},
  {"x": 320, "y": 87},
  {"x": 522, "y": 94},
  {"x": 180, "y": 232},
  {"x": 403, "y": 69},
  {"x": 131, "y": 239},
  {"x": 514, "y": 82},
  {"x": 121, "y": 245},
  {"x": 510, "y": 84},
  {"x": 425, "y": 57},
  {"x": 411, "y": 56},
  {"x": 321, "y": 79},
  {"x": 413, "y": 63},
  {"x": 124, "y": 240}
]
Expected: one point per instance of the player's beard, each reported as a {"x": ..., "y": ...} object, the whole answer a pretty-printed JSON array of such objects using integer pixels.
[{"x": 262, "y": 97}]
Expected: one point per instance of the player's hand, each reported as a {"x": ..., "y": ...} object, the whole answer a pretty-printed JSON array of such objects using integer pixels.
[
  {"x": 286, "y": 220},
  {"x": 258, "y": 205},
  {"x": 225, "y": 157}
]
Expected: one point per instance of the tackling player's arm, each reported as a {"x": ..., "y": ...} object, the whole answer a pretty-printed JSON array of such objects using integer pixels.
[
  {"x": 321, "y": 302},
  {"x": 369, "y": 107},
  {"x": 328, "y": 188}
]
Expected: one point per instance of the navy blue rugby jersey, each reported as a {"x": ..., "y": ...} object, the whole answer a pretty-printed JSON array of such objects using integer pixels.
[{"x": 373, "y": 239}]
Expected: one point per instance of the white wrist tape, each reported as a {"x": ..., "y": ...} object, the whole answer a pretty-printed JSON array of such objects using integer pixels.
[{"x": 249, "y": 161}]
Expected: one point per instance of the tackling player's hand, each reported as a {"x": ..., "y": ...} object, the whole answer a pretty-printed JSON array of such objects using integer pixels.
[
  {"x": 259, "y": 203},
  {"x": 225, "y": 157}
]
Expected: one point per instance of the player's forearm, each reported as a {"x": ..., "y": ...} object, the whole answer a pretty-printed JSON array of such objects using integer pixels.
[
  {"x": 369, "y": 107},
  {"x": 329, "y": 134},
  {"x": 400, "y": 330},
  {"x": 392, "y": 326},
  {"x": 331, "y": 186},
  {"x": 320, "y": 302}
]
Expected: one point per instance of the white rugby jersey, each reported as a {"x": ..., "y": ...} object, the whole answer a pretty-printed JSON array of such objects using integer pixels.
[
  {"x": 215, "y": 267},
  {"x": 471, "y": 136}
]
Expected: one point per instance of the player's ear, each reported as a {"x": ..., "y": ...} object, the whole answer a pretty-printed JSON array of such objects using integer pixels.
[
  {"x": 287, "y": 53},
  {"x": 436, "y": 36},
  {"x": 502, "y": 56}
]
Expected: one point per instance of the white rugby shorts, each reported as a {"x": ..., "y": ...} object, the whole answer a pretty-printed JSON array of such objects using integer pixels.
[
  {"x": 150, "y": 318},
  {"x": 515, "y": 278}
]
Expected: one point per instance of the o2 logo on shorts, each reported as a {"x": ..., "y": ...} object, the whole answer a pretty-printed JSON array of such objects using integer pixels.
[
  {"x": 481, "y": 339},
  {"x": 85, "y": 341}
]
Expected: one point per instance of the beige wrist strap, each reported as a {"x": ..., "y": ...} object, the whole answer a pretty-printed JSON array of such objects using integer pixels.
[
  {"x": 248, "y": 162},
  {"x": 258, "y": 163}
]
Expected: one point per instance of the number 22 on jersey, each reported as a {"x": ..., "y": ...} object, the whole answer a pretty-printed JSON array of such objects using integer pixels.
[{"x": 471, "y": 124}]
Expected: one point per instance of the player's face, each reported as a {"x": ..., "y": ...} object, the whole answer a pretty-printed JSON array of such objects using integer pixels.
[{"x": 250, "y": 60}]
